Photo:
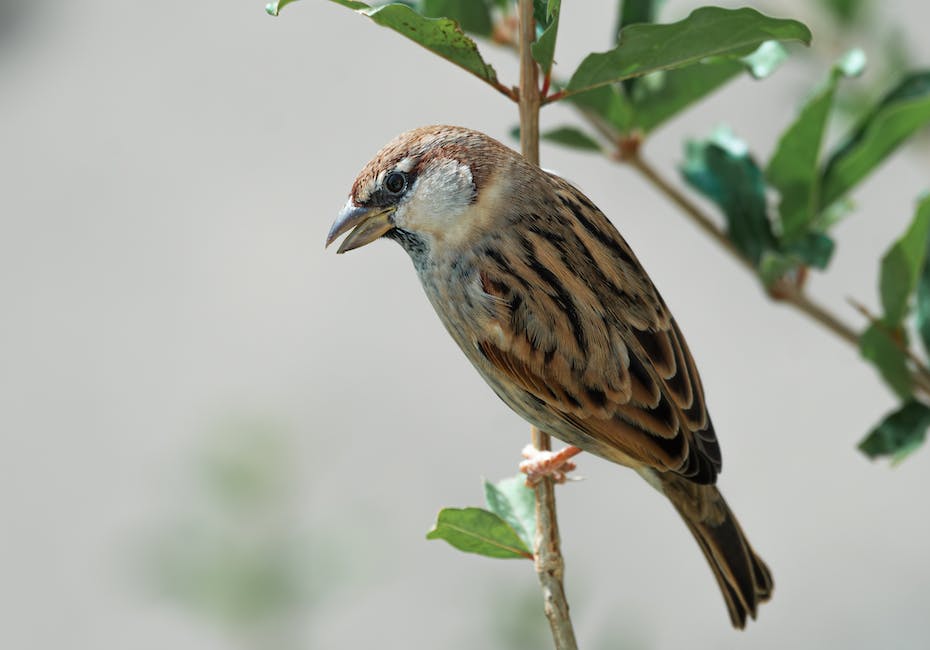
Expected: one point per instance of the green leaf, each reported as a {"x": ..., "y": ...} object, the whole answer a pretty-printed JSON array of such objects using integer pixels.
[
  {"x": 441, "y": 36},
  {"x": 607, "y": 105},
  {"x": 877, "y": 346},
  {"x": 571, "y": 136},
  {"x": 474, "y": 530},
  {"x": 707, "y": 32},
  {"x": 813, "y": 249},
  {"x": 636, "y": 11},
  {"x": 900, "y": 433},
  {"x": 847, "y": 12},
  {"x": 664, "y": 94},
  {"x": 472, "y": 16},
  {"x": 544, "y": 48},
  {"x": 722, "y": 169},
  {"x": 900, "y": 114},
  {"x": 923, "y": 287},
  {"x": 833, "y": 214},
  {"x": 794, "y": 167},
  {"x": 678, "y": 90},
  {"x": 540, "y": 13},
  {"x": 902, "y": 266},
  {"x": 515, "y": 503},
  {"x": 633, "y": 12},
  {"x": 774, "y": 266}
]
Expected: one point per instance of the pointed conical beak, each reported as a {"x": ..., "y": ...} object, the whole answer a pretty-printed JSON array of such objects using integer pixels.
[{"x": 369, "y": 225}]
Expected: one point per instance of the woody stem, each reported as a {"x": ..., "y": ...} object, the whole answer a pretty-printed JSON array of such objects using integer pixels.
[{"x": 547, "y": 552}]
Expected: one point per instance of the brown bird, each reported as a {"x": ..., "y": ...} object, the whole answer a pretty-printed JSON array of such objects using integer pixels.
[{"x": 551, "y": 306}]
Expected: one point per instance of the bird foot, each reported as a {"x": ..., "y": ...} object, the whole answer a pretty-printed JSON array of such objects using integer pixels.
[{"x": 540, "y": 464}]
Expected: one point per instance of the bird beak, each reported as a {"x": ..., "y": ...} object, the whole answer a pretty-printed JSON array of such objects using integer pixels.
[{"x": 369, "y": 224}]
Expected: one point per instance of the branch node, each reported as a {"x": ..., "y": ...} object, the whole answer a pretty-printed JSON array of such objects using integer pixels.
[{"x": 628, "y": 146}]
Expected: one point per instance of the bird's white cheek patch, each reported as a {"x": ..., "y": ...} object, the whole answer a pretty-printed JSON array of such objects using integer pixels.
[{"x": 438, "y": 199}]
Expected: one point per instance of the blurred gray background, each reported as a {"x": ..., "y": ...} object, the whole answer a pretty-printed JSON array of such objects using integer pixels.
[{"x": 215, "y": 434}]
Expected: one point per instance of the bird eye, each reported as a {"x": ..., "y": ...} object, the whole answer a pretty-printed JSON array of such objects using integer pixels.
[{"x": 395, "y": 182}]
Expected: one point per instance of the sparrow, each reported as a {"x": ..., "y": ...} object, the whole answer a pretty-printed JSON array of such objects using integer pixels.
[{"x": 553, "y": 309}]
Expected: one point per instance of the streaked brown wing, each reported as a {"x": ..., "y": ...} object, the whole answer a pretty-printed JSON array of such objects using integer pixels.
[{"x": 582, "y": 329}]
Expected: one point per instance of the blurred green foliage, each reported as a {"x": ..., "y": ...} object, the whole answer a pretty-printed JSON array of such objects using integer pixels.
[{"x": 234, "y": 552}]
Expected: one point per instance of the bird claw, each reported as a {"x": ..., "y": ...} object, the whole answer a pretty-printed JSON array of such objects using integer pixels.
[{"x": 554, "y": 464}]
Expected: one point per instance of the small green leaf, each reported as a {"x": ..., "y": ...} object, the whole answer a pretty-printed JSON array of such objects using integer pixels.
[
  {"x": 570, "y": 136},
  {"x": 877, "y": 346},
  {"x": 515, "y": 503},
  {"x": 901, "y": 113},
  {"x": 474, "y": 530},
  {"x": 707, "y": 32},
  {"x": 544, "y": 48},
  {"x": 902, "y": 265},
  {"x": 774, "y": 266},
  {"x": 794, "y": 167},
  {"x": 899, "y": 434},
  {"x": 722, "y": 169},
  {"x": 473, "y": 17},
  {"x": 441, "y": 36}
]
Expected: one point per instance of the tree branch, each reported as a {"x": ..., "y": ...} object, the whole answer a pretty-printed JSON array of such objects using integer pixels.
[
  {"x": 547, "y": 552},
  {"x": 529, "y": 86}
]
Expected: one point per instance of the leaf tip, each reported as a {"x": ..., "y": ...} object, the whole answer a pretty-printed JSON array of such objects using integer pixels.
[
  {"x": 767, "y": 58},
  {"x": 852, "y": 63}
]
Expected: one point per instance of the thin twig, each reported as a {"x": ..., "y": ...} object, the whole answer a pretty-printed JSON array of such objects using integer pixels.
[
  {"x": 801, "y": 301},
  {"x": 550, "y": 566},
  {"x": 548, "y": 555},
  {"x": 510, "y": 93}
]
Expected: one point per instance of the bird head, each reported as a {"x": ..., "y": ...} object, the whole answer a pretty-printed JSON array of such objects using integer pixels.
[{"x": 429, "y": 188}]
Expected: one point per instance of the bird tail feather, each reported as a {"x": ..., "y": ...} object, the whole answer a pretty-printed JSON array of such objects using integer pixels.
[{"x": 744, "y": 579}]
